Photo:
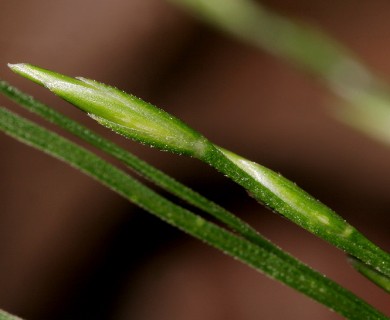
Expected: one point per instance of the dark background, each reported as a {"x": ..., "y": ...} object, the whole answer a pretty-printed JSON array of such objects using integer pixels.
[{"x": 71, "y": 249}]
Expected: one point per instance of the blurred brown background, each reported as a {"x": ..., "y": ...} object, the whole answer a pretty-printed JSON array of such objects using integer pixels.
[{"x": 71, "y": 249}]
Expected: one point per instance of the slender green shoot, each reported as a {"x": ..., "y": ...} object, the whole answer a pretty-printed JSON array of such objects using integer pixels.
[
  {"x": 106, "y": 104},
  {"x": 297, "y": 276},
  {"x": 376, "y": 277},
  {"x": 139, "y": 166},
  {"x": 285, "y": 197},
  {"x": 156, "y": 176}
]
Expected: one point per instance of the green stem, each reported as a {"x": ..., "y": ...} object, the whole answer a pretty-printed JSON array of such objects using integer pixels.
[
  {"x": 378, "y": 278},
  {"x": 295, "y": 275},
  {"x": 122, "y": 112},
  {"x": 285, "y": 197},
  {"x": 310, "y": 50},
  {"x": 316, "y": 53},
  {"x": 142, "y": 168},
  {"x": 303, "y": 45}
]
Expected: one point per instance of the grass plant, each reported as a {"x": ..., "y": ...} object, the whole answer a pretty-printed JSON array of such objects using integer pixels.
[
  {"x": 117, "y": 111},
  {"x": 366, "y": 99}
]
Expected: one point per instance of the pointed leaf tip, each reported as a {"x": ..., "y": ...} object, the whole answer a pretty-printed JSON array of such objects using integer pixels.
[
  {"x": 35, "y": 74},
  {"x": 121, "y": 112},
  {"x": 18, "y": 68}
]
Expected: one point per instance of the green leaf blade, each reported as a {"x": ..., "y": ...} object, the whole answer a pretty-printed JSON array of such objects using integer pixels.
[
  {"x": 286, "y": 198},
  {"x": 376, "y": 277},
  {"x": 267, "y": 187},
  {"x": 296, "y": 275},
  {"x": 140, "y": 167},
  {"x": 129, "y": 115}
]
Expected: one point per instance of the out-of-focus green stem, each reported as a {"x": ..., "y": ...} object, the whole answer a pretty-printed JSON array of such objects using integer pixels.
[
  {"x": 7, "y": 316},
  {"x": 309, "y": 49},
  {"x": 301, "y": 44},
  {"x": 367, "y": 112}
]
